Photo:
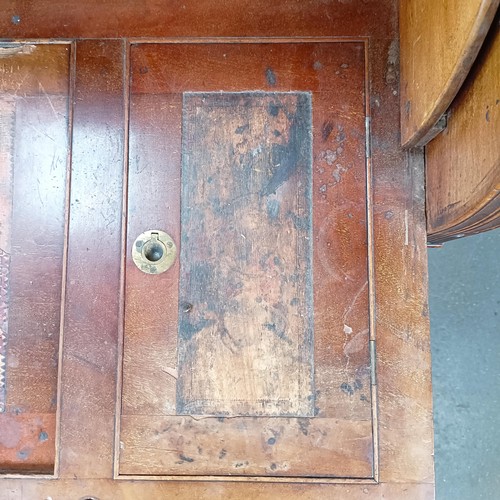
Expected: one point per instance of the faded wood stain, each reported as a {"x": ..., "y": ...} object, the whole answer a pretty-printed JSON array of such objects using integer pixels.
[{"x": 246, "y": 326}]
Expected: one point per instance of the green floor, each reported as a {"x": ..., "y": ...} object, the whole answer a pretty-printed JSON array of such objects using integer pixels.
[{"x": 465, "y": 334}]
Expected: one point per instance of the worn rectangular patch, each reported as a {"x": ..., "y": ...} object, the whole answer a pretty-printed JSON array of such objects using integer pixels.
[{"x": 245, "y": 291}]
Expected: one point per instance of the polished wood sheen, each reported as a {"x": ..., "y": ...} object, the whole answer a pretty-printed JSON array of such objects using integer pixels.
[
  {"x": 34, "y": 115},
  {"x": 463, "y": 163},
  {"x": 439, "y": 43},
  {"x": 167, "y": 152},
  {"x": 91, "y": 312},
  {"x": 119, "y": 434}
]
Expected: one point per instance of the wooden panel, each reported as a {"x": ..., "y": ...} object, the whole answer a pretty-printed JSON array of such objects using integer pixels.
[
  {"x": 89, "y": 363},
  {"x": 463, "y": 163},
  {"x": 403, "y": 387},
  {"x": 33, "y": 163},
  {"x": 245, "y": 333},
  {"x": 152, "y": 490},
  {"x": 402, "y": 324},
  {"x": 236, "y": 446},
  {"x": 439, "y": 42},
  {"x": 342, "y": 358},
  {"x": 339, "y": 183},
  {"x": 150, "y": 18}
]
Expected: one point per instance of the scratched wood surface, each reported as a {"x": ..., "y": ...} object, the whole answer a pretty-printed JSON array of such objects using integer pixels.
[
  {"x": 403, "y": 370},
  {"x": 74, "y": 19},
  {"x": 439, "y": 43},
  {"x": 87, "y": 408},
  {"x": 153, "y": 490},
  {"x": 463, "y": 163},
  {"x": 34, "y": 146},
  {"x": 246, "y": 326},
  {"x": 339, "y": 182},
  {"x": 341, "y": 324}
]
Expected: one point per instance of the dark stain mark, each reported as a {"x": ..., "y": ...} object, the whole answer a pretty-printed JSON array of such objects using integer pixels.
[
  {"x": 363, "y": 398},
  {"x": 488, "y": 115},
  {"x": 242, "y": 128},
  {"x": 341, "y": 135},
  {"x": 316, "y": 411},
  {"x": 408, "y": 108},
  {"x": 222, "y": 453},
  {"x": 279, "y": 332},
  {"x": 143, "y": 70},
  {"x": 294, "y": 301},
  {"x": 238, "y": 465},
  {"x": 234, "y": 345},
  {"x": 273, "y": 466},
  {"x": 186, "y": 459},
  {"x": 274, "y": 109},
  {"x": 347, "y": 389},
  {"x": 200, "y": 450},
  {"x": 273, "y": 209},
  {"x": 351, "y": 389},
  {"x": 277, "y": 133},
  {"x": 326, "y": 130},
  {"x": 24, "y": 453},
  {"x": 271, "y": 441},
  {"x": 271, "y": 77},
  {"x": 277, "y": 261},
  {"x": 43, "y": 436},
  {"x": 188, "y": 330},
  {"x": 497, "y": 102},
  {"x": 15, "y": 20},
  {"x": 287, "y": 158},
  {"x": 300, "y": 223},
  {"x": 389, "y": 215},
  {"x": 304, "y": 425}
]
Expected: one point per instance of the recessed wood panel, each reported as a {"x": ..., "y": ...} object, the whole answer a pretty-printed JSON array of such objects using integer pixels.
[{"x": 246, "y": 326}]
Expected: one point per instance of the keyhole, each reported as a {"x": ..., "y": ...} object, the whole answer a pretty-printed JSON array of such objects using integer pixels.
[{"x": 153, "y": 250}]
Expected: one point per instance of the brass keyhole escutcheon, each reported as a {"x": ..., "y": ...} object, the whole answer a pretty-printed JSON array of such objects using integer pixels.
[{"x": 154, "y": 252}]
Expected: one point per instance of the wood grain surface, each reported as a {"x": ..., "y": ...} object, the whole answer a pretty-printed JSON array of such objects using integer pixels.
[
  {"x": 34, "y": 148},
  {"x": 390, "y": 233},
  {"x": 153, "y": 490},
  {"x": 245, "y": 305},
  {"x": 160, "y": 74},
  {"x": 201, "y": 18},
  {"x": 89, "y": 357},
  {"x": 463, "y": 163},
  {"x": 439, "y": 43}
]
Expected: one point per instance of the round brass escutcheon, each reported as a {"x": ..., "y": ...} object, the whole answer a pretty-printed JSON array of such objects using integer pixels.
[{"x": 154, "y": 252}]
